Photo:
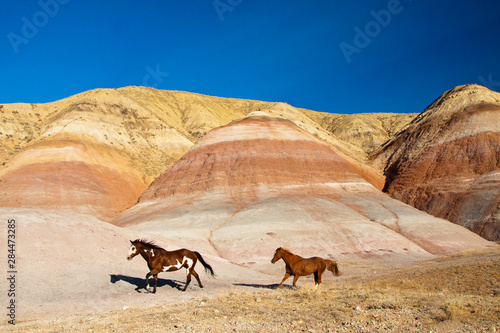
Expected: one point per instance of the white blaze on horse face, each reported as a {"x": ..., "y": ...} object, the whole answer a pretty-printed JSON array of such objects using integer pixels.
[
  {"x": 152, "y": 253},
  {"x": 132, "y": 251}
]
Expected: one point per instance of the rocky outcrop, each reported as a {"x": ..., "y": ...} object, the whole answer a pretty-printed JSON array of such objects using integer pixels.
[
  {"x": 262, "y": 182},
  {"x": 447, "y": 161}
]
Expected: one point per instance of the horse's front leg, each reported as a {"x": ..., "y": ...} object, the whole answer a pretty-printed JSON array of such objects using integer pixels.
[
  {"x": 147, "y": 279},
  {"x": 155, "y": 277},
  {"x": 284, "y": 279}
]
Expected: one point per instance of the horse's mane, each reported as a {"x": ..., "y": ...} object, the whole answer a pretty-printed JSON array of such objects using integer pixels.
[
  {"x": 286, "y": 250},
  {"x": 289, "y": 252},
  {"x": 148, "y": 243}
]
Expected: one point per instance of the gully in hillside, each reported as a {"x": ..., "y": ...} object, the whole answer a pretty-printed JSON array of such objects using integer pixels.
[
  {"x": 161, "y": 260},
  {"x": 298, "y": 266}
]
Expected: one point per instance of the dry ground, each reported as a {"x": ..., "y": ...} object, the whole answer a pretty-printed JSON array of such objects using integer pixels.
[{"x": 459, "y": 293}]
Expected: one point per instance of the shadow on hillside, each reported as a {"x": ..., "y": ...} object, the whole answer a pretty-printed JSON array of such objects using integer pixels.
[
  {"x": 264, "y": 286},
  {"x": 141, "y": 283}
]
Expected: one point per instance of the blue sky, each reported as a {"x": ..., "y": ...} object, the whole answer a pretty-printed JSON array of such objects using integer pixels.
[{"x": 325, "y": 55}]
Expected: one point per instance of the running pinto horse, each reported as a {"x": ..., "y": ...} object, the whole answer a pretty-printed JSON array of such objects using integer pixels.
[
  {"x": 161, "y": 260},
  {"x": 298, "y": 266}
]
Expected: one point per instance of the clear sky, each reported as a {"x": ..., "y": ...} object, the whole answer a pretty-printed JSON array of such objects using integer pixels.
[{"x": 326, "y": 55}]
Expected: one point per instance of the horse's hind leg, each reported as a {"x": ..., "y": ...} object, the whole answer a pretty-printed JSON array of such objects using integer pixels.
[
  {"x": 188, "y": 280},
  {"x": 284, "y": 279},
  {"x": 197, "y": 278},
  {"x": 317, "y": 277}
]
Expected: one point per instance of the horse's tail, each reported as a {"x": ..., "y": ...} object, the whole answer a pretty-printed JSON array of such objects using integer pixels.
[
  {"x": 332, "y": 267},
  {"x": 208, "y": 268}
]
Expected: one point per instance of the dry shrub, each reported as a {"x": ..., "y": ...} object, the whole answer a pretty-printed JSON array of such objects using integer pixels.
[
  {"x": 462, "y": 310},
  {"x": 402, "y": 283},
  {"x": 308, "y": 292}
]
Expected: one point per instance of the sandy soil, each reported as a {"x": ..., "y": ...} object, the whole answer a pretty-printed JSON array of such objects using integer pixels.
[{"x": 459, "y": 293}]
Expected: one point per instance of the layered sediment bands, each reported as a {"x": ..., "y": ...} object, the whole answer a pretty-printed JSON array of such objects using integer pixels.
[
  {"x": 73, "y": 176},
  {"x": 262, "y": 182},
  {"x": 246, "y": 154},
  {"x": 459, "y": 181},
  {"x": 447, "y": 162},
  {"x": 70, "y": 186}
]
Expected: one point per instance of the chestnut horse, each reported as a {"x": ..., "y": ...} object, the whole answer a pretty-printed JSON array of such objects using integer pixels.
[
  {"x": 298, "y": 266},
  {"x": 161, "y": 260}
]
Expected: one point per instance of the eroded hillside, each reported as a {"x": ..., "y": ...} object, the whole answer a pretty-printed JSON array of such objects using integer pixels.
[
  {"x": 447, "y": 161},
  {"x": 110, "y": 144}
]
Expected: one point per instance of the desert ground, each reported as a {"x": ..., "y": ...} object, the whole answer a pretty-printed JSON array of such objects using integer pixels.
[{"x": 457, "y": 293}]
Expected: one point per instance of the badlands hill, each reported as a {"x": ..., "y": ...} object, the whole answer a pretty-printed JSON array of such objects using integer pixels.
[
  {"x": 447, "y": 160},
  {"x": 262, "y": 182},
  {"x": 96, "y": 152}
]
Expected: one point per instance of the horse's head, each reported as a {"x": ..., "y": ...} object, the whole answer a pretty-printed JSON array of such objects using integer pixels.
[
  {"x": 133, "y": 251},
  {"x": 277, "y": 255}
]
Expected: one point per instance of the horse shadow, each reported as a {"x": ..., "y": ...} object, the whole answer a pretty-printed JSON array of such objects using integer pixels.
[
  {"x": 141, "y": 283},
  {"x": 264, "y": 286}
]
